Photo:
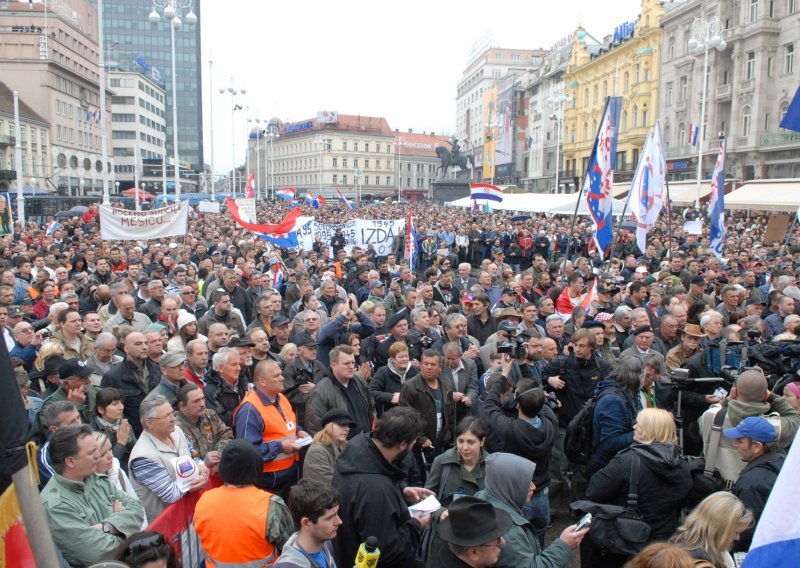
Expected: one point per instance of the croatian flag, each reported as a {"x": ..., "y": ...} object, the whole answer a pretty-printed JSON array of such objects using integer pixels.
[
  {"x": 349, "y": 204},
  {"x": 486, "y": 191},
  {"x": 776, "y": 543},
  {"x": 287, "y": 239},
  {"x": 694, "y": 130},
  {"x": 648, "y": 188},
  {"x": 600, "y": 177},
  {"x": 716, "y": 205},
  {"x": 249, "y": 190},
  {"x": 322, "y": 201},
  {"x": 52, "y": 227},
  {"x": 410, "y": 250},
  {"x": 312, "y": 201},
  {"x": 286, "y": 193}
]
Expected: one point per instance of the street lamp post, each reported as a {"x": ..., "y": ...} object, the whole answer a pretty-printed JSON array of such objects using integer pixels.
[
  {"x": 557, "y": 103},
  {"x": 257, "y": 131},
  {"x": 399, "y": 167},
  {"x": 705, "y": 35},
  {"x": 272, "y": 132},
  {"x": 102, "y": 80},
  {"x": 234, "y": 107},
  {"x": 211, "y": 120},
  {"x": 170, "y": 10}
]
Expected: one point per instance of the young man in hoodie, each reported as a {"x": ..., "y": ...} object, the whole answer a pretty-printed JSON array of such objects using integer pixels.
[
  {"x": 315, "y": 509},
  {"x": 508, "y": 487},
  {"x": 531, "y": 435}
]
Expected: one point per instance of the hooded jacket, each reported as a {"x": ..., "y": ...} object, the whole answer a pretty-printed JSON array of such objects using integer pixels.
[
  {"x": 508, "y": 481},
  {"x": 664, "y": 484},
  {"x": 753, "y": 488},
  {"x": 612, "y": 422},
  {"x": 371, "y": 503},
  {"x": 386, "y": 382},
  {"x": 292, "y": 557},
  {"x": 528, "y": 439}
]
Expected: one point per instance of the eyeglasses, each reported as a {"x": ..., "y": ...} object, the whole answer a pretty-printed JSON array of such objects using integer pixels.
[
  {"x": 499, "y": 543},
  {"x": 173, "y": 414}
]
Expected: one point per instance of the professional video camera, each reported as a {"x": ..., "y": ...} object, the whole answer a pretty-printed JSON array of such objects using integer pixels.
[{"x": 515, "y": 347}]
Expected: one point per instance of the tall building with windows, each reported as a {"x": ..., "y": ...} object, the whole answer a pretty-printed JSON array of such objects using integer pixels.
[
  {"x": 35, "y": 141},
  {"x": 749, "y": 86},
  {"x": 138, "y": 126},
  {"x": 52, "y": 60},
  {"x": 483, "y": 95},
  {"x": 133, "y": 42},
  {"x": 626, "y": 65}
]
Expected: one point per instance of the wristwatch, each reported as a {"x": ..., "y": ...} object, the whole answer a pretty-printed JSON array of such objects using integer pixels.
[{"x": 107, "y": 528}]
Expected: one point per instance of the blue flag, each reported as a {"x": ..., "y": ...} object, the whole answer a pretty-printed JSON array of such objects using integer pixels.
[
  {"x": 716, "y": 204},
  {"x": 792, "y": 119},
  {"x": 599, "y": 178}
]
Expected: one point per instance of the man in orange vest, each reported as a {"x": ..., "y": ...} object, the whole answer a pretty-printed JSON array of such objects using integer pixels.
[
  {"x": 265, "y": 418},
  {"x": 238, "y": 523}
]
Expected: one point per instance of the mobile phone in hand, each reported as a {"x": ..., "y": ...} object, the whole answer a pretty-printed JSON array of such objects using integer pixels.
[{"x": 583, "y": 523}]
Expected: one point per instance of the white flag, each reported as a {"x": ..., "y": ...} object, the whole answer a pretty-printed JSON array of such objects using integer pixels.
[{"x": 648, "y": 186}]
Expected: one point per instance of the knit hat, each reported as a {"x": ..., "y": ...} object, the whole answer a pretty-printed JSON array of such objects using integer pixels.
[
  {"x": 240, "y": 464},
  {"x": 184, "y": 319}
]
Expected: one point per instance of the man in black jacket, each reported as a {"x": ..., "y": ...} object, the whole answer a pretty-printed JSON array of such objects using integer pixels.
[
  {"x": 225, "y": 384},
  {"x": 373, "y": 494},
  {"x": 135, "y": 376},
  {"x": 754, "y": 439},
  {"x": 531, "y": 435},
  {"x": 573, "y": 378}
]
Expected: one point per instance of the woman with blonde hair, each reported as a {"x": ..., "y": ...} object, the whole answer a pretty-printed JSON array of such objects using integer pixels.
[
  {"x": 664, "y": 479},
  {"x": 40, "y": 381},
  {"x": 109, "y": 466},
  {"x": 327, "y": 445},
  {"x": 289, "y": 353},
  {"x": 710, "y": 530}
]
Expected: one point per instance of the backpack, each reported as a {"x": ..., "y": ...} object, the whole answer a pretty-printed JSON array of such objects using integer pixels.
[{"x": 578, "y": 438}]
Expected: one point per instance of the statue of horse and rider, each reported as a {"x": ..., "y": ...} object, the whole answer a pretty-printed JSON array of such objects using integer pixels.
[{"x": 453, "y": 157}]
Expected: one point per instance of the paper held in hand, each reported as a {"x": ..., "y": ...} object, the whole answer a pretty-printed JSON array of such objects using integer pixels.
[
  {"x": 426, "y": 506},
  {"x": 303, "y": 442}
]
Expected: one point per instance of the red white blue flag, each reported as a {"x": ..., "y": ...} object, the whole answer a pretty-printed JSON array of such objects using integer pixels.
[
  {"x": 249, "y": 190},
  {"x": 600, "y": 177},
  {"x": 648, "y": 189},
  {"x": 287, "y": 193},
  {"x": 346, "y": 202},
  {"x": 486, "y": 191},
  {"x": 410, "y": 250},
  {"x": 716, "y": 204}
]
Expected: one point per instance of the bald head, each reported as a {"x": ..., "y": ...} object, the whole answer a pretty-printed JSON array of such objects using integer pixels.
[
  {"x": 751, "y": 386},
  {"x": 135, "y": 346}
]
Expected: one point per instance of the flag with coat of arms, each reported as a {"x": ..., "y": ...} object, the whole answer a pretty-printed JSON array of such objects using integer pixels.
[
  {"x": 410, "y": 249},
  {"x": 648, "y": 188},
  {"x": 716, "y": 204}
]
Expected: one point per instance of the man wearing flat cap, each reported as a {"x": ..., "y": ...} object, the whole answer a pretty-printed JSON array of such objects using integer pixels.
[
  {"x": 473, "y": 530},
  {"x": 172, "y": 376},
  {"x": 643, "y": 338}
]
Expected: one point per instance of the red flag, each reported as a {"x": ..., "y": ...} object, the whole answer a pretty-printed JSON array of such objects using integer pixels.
[
  {"x": 285, "y": 226},
  {"x": 249, "y": 191},
  {"x": 321, "y": 200}
]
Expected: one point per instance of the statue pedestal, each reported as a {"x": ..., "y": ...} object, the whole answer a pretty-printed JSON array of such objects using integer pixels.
[{"x": 445, "y": 190}]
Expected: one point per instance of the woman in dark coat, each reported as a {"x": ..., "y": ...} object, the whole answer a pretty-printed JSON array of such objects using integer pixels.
[
  {"x": 664, "y": 479},
  {"x": 385, "y": 385}
]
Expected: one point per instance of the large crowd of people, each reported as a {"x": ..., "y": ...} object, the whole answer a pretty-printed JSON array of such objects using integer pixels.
[{"x": 315, "y": 397}]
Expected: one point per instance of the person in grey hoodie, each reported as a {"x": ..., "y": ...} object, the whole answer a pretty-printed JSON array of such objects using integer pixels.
[
  {"x": 508, "y": 486},
  {"x": 315, "y": 510}
]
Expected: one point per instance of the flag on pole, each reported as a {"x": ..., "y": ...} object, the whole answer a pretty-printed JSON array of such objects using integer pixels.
[
  {"x": 286, "y": 225},
  {"x": 776, "y": 542},
  {"x": 590, "y": 296},
  {"x": 349, "y": 204},
  {"x": 322, "y": 201},
  {"x": 716, "y": 204},
  {"x": 486, "y": 191},
  {"x": 791, "y": 121},
  {"x": 474, "y": 207},
  {"x": 694, "y": 130},
  {"x": 311, "y": 200},
  {"x": 287, "y": 193},
  {"x": 600, "y": 177},
  {"x": 410, "y": 249},
  {"x": 249, "y": 190},
  {"x": 113, "y": 45},
  {"x": 52, "y": 227},
  {"x": 648, "y": 192}
]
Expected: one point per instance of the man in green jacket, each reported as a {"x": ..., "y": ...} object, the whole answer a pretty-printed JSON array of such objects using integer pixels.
[
  {"x": 88, "y": 517},
  {"x": 508, "y": 486}
]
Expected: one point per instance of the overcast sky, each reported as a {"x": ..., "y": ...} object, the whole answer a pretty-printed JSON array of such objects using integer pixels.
[{"x": 398, "y": 60}]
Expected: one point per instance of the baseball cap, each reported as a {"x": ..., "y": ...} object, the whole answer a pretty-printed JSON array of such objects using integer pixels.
[
  {"x": 376, "y": 284},
  {"x": 305, "y": 340},
  {"x": 172, "y": 359},
  {"x": 468, "y": 298},
  {"x": 279, "y": 320},
  {"x": 73, "y": 368},
  {"x": 755, "y": 427}
]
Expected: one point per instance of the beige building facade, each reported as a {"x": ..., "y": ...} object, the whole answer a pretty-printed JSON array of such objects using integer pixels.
[{"x": 34, "y": 142}]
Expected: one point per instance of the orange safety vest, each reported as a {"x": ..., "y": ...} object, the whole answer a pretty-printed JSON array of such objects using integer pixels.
[
  {"x": 278, "y": 427},
  {"x": 231, "y": 523}
]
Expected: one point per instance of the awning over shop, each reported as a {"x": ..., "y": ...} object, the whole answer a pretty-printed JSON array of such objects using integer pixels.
[{"x": 766, "y": 195}]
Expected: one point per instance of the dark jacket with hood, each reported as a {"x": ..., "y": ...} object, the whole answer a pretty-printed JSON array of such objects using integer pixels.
[
  {"x": 530, "y": 439},
  {"x": 581, "y": 377},
  {"x": 371, "y": 503},
  {"x": 664, "y": 484},
  {"x": 612, "y": 422},
  {"x": 222, "y": 398},
  {"x": 386, "y": 382},
  {"x": 753, "y": 488}
]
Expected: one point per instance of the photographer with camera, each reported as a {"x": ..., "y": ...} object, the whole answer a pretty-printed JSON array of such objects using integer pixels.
[
  {"x": 420, "y": 336},
  {"x": 573, "y": 378},
  {"x": 749, "y": 396},
  {"x": 531, "y": 435}
]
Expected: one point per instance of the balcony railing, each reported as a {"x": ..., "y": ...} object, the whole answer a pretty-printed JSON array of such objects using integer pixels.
[
  {"x": 779, "y": 138},
  {"x": 680, "y": 105},
  {"x": 723, "y": 93},
  {"x": 7, "y": 140},
  {"x": 680, "y": 151},
  {"x": 8, "y": 174},
  {"x": 746, "y": 85}
]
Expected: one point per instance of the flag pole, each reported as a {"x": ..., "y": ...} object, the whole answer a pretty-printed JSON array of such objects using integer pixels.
[
  {"x": 619, "y": 225},
  {"x": 669, "y": 216},
  {"x": 572, "y": 228}
]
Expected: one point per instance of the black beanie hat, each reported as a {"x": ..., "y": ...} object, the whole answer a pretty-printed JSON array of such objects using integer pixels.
[{"x": 240, "y": 464}]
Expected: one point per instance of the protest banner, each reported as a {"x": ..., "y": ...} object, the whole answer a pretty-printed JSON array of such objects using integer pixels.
[
  {"x": 358, "y": 232},
  {"x": 247, "y": 208},
  {"x": 208, "y": 207},
  {"x": 117, "y": 224}
]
